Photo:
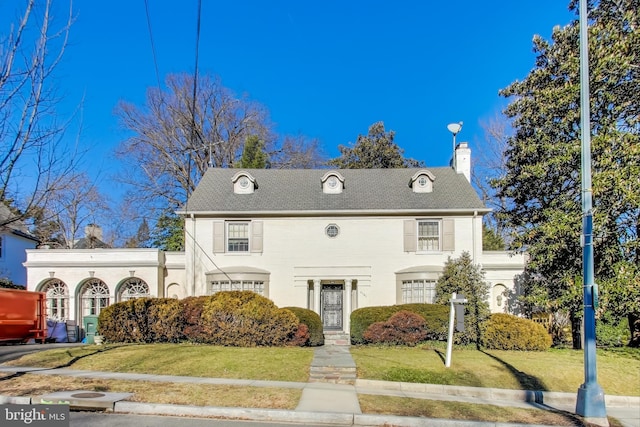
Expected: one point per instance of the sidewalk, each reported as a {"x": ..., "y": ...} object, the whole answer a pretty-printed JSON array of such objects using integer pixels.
[{"x": 337, "y": 404}]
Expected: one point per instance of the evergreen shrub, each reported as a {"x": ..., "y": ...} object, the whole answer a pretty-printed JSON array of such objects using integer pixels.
[
  {"x": 403, "y": 327},
  {"x": 194, "y": 329},
  {"x": 165, "y": 320},
  {"x": 610, "y": 333},
  {"x": 507, "y": 332},
  {"x": 246, "y": 319},
  {"x": 123, "y": 322},
  {"x": 313, "y": 323},
  {"x": 436, "y": 317}
]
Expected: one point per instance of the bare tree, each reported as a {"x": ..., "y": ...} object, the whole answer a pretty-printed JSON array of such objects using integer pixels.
[
  {"x": 77, "y": 206},
  {"x": 173, "y": 142},
  {"x": 297, "y": 152},
  {"x": 490, "y": 164},
  {"x": 35, "y": 161}
]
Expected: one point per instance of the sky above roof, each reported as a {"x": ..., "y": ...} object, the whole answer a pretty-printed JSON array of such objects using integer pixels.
[{"x": 323, "y": 69}]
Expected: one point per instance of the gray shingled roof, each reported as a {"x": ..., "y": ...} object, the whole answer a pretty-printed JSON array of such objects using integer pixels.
[
  {"x": 300, "y": 190},
  {"x": 18, "y": 228}
]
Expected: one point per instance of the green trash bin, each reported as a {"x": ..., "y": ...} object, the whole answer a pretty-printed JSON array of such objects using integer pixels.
[{"x": 90, "y": 326}]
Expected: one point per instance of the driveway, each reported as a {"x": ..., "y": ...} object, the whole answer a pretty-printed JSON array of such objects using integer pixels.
[{"x": 14, "y": 351}]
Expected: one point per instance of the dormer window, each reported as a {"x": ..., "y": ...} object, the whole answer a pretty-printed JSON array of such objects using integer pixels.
[
  {"x": 332, "y": 183},
  {"x": 422, "y": 181},
  {"x": 244, "y": 183}
]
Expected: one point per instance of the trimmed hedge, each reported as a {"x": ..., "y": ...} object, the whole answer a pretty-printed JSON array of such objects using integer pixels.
[
  {"x": 507, "y": 332},
  {"x": 227, "y": 318},
  {"x": 142, "y": 320},
  {"x": 404, "y": 328},
  {"x": 436, "y": 317},
  {"x": 246, "y": 319},
  {"x": 313, "y": 323}
]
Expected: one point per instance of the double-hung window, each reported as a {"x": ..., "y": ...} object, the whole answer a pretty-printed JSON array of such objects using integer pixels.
[
  {"x": 418, "y": 291},
  {"x": 237, "y": 237},
  {"x": 429, "y": 235}
]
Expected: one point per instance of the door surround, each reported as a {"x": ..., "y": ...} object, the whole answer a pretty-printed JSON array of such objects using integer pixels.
[{"x": 332, "y": 305}]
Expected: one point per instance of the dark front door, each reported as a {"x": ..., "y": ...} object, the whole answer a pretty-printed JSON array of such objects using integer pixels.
[{"x": 332, "y": 306}]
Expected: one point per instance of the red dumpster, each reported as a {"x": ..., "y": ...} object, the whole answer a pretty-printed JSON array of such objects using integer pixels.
[{"x": 22, "y": 315}]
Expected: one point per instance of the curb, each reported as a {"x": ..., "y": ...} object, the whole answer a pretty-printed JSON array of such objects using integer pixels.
[
  {"x": 276, "y": 415},
  {"x": 529, "y": 396}
]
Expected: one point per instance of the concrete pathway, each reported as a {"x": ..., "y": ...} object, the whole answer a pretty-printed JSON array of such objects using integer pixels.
[{"x": 332, "y": 403}]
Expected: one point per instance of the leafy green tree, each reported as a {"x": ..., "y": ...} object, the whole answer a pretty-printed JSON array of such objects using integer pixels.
[
  {"x": 542, "y": 181},
  {"x": 253, "y": 154},
  {"x": 375, "y": 150},
  {"x": 491, "y": 240},
  {"x": 168, "y": 234},
  {"x": 461, "y": 275}
]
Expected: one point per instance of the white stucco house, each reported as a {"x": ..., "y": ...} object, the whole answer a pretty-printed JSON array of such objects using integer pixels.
[
  {"x": 15, "y": 239},
  {"x": 328, "y": 240}
]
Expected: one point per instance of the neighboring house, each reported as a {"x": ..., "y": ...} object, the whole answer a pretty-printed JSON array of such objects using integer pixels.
[
  {"x": 328, "y": 240},
  {"x": 92, "y": 238},
  {"x": 15, "y": 239}
]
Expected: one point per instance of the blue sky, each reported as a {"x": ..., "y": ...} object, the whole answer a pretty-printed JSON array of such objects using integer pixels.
[{"x": 324, "y": 69}]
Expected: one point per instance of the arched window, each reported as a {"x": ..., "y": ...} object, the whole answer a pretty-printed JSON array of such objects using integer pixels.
[
  {"x": 133, "y": 288},
  {"x": 57, "y": 299},
  {"x": 94, "y": 296}
]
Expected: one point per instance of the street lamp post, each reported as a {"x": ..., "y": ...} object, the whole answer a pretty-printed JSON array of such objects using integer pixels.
[
  {"x": 590, "y": 400},
  {"x": 454, "y": 128}
]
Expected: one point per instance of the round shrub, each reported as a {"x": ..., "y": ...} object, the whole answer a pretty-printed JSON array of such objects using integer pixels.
[
  {"x": 313, "y": 323},
  {"x": 246, "y": 319},
  {"x": 436, "y": 317},
  {"x": 508, "y": 332},
  {"x": 404, "y": 327}
]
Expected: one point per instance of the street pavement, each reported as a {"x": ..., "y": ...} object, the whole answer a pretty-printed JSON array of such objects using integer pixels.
[{"x": 337, "y": 404}]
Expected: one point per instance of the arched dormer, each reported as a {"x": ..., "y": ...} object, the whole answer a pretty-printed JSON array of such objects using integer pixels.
[
  {"x": 332, "y": 182},
  {"x": 422, "y": 181},
  {"x": 244, "y": 183}
]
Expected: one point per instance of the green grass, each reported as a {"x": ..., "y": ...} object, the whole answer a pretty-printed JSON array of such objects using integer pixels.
[
  {"x": 554, "y": 370},
  {"x": 265, "y": 363}
]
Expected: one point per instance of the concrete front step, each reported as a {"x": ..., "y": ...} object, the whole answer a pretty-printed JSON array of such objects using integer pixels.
[
  {"x": 336, "y": 338},
  {"x": 332, "y": 374}
]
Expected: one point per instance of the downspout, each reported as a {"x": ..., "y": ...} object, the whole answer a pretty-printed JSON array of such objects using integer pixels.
[
  {"x": 193, "y": 255},
  {"x": 473, "y": 231}
]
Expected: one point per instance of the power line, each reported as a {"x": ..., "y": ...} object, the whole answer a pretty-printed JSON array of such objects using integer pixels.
[{"x": 153, "y": 47}]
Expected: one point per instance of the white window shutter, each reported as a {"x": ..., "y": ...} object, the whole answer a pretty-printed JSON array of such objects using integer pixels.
[
  {"x": 448, "y": 235},
  {"x": 256, "y": 236},
  {"x": 410, "y": 239},
  {"x": 218, "y": 237}
]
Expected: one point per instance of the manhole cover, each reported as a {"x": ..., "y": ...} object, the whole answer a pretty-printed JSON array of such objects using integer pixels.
[{"x": 87, "y": 395}]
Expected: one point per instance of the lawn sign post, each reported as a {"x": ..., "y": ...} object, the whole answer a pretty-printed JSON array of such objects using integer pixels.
[{"x": 456, "y": 314}]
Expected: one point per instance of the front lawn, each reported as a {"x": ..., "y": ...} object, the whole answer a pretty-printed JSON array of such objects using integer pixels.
[{"x": 553, "y": 370}]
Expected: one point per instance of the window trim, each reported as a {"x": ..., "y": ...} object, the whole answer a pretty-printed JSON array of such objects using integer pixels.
[
  {"x": 418, "y": 236},
  {"x": 423, "y": 288},
  {"x": 228, "y": 249}
]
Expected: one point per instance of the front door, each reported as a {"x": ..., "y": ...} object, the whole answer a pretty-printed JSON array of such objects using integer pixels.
[{"x": 332, "y": 306}]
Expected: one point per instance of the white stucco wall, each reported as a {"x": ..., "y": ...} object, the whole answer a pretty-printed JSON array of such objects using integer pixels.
[
  {"x": 368, "y": 255},
  {"x": 369, "y": 250}
]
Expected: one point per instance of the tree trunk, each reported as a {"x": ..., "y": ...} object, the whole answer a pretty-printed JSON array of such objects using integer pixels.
[
  {"x": 576, "y": 331},
  {"x": 634, "y": 326}
]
